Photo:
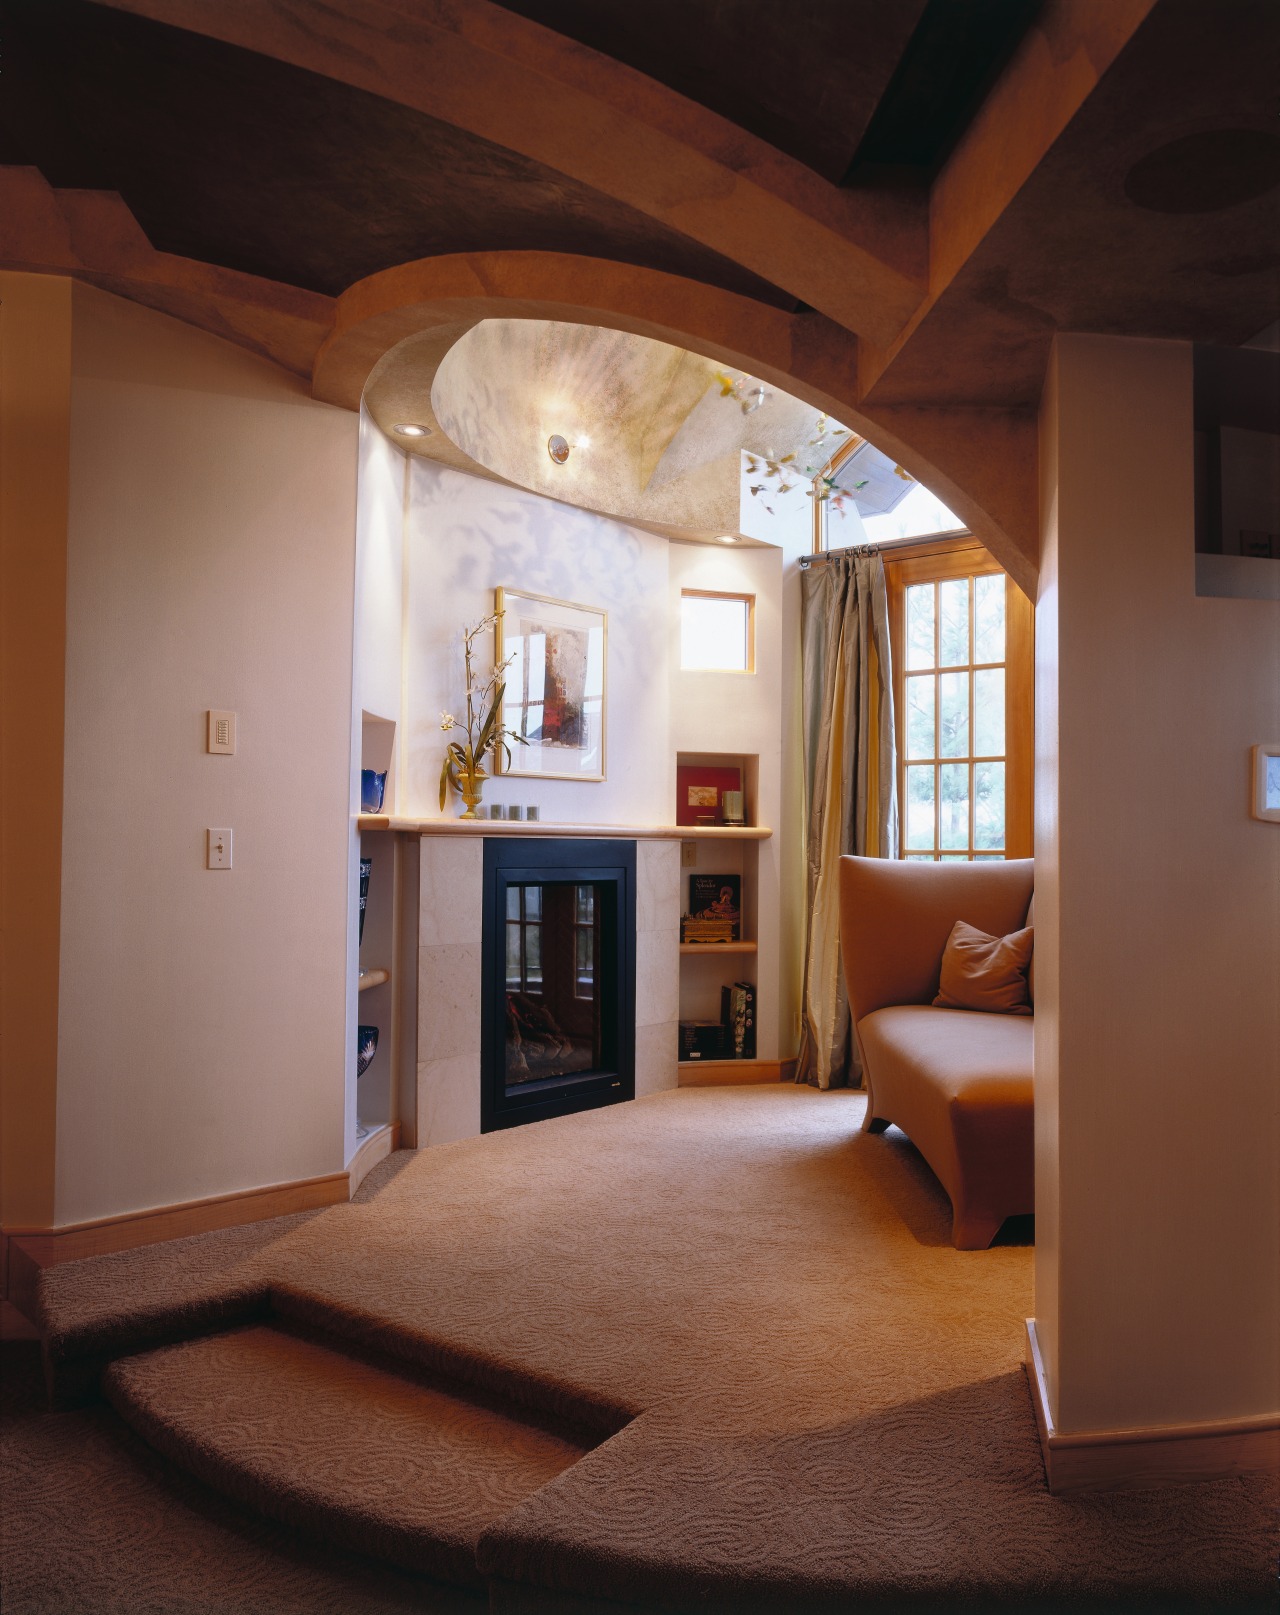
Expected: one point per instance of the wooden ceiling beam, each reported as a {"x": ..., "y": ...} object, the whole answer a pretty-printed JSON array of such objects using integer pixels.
[
  {"x": 857, "y": 255},
  {"x": 93, "y": 236},
  {"x": 1053, "y": 72}
]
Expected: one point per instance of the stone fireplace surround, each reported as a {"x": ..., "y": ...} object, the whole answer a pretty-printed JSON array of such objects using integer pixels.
[{"x": 450, "y": 928}]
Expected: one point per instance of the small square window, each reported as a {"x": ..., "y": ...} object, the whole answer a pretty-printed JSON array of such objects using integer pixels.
[{"x": 717, "y": 632}]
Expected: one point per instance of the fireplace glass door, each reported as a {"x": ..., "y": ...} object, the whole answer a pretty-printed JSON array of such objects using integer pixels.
[
  {"x": 557, "y": 1027},
  {"x": 552, "y": 992}
]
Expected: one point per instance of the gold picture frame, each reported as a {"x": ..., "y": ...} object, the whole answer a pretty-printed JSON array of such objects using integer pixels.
[{"x": 556, "y": 687}]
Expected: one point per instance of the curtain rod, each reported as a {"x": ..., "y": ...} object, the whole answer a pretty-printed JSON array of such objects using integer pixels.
[
  {"x": 957, "y": 537},
  {"x": 850, "y": 549}
]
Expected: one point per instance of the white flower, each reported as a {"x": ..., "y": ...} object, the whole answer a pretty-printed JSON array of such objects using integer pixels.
[{"x": 448, "y": 721}]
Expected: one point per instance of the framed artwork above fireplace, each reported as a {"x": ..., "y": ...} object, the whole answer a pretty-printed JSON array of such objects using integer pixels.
[{"x": 555, "y": 685}]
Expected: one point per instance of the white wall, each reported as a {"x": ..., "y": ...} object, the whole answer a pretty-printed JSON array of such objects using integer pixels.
[
  {"x": 210, "y": 564},
  {"x": 1158, "y": 911},
  {"x": 466, "y": 537},
  {"x": 380, "y": 583},
  {"x": 376, "y": 710}
]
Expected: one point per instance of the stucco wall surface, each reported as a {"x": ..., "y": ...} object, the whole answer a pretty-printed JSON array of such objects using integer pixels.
[
  {"x": 1158, "y": 1159},
  {"x": 210, "y": 560},
  {"x": 465, "y": 537}
]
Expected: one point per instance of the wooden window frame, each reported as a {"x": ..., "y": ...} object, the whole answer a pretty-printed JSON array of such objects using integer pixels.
[
  {"x": 937, "y": 561},
  {"x": 725, "y": 594},
  {"x": 592, "y": 928},
  {"x": 525, "y": 925}
]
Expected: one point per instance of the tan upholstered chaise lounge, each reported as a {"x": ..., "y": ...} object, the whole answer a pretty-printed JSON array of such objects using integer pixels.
[{"x": 956, "y": 1081}]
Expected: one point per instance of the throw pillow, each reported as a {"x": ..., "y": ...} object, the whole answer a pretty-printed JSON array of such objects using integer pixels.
[{"x": 985, "y": 972}]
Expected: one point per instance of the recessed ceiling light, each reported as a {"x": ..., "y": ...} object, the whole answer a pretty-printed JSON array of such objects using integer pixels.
[
  {"x": 557, "y": 448},
  {"x": 729, "y": 538},
  {"x": 410, "y": 429}
]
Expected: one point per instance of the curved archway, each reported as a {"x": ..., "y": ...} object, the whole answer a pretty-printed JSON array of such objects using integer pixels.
[{"x": 981, "y": 463}]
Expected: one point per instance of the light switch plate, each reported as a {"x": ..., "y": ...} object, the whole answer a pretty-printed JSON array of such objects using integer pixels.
[
  {"x": 688, "y": 855},
  {"x": 217, "y": 849},
  {"x": 222, "y": 733}
]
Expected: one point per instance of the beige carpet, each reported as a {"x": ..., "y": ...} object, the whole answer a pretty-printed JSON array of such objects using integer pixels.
[
  {"x": 94, "y": 1523},
  {"x": 818, "y": 1402}
]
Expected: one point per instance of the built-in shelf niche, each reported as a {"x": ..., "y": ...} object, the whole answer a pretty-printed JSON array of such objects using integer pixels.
[
  {"x": 376, "y": 998},
  {"x": 707, "y": 967},
  {"x": 378, "y": 752},
  {"x": 746, "y": 763},
  {"x": 386, "y": 984}
]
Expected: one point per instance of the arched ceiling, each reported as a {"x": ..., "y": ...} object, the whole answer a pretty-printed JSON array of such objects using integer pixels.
[
  {"x": 887, "y": 209},
  {"x": 652, "y": 437}
]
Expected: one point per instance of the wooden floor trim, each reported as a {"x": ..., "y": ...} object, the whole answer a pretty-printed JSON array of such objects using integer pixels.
[
  {"x": 379, "y": 1144},
  {"x": 1158, "y": 1455},
  {"x": 729, "y": 1073},
  {"x": 27, "y": 1250}
]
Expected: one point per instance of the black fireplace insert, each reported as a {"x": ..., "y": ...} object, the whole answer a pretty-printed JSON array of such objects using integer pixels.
[{"x": 558, "y": 977}]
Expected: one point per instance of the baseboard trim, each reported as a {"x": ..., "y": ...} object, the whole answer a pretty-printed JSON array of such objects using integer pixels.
[
  {"x": 27, "y": 1250},
  {"x": 375, "y": 1148},
  {"x": 729, "y": 1073},
  {"x": 1157, "y": 1455}
]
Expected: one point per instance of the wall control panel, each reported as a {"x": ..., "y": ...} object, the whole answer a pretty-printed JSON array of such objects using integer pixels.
[
  {"x": 221, "y": 733},
  {"x": 217, "y": 849}
]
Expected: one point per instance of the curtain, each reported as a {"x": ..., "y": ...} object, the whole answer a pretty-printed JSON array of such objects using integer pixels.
[{"x": 850, "y": 778}]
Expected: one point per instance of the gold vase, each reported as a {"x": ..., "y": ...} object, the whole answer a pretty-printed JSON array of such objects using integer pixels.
[{"x": 471, "y": 786}]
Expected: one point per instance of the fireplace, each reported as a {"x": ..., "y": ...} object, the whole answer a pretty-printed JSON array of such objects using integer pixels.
[{"x": 557, "y": 978}]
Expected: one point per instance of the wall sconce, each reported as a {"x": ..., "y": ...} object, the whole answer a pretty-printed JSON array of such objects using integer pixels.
[{"x": 557, "y": 448}]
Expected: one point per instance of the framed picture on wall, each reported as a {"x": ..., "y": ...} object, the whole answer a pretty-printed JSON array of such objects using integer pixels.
[
  {"x": 1265, "y": 802},
  {"x": 555, "y": 685}
]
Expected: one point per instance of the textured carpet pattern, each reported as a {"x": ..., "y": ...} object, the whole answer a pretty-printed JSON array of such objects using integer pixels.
[
  {"x": 827, "y": 1402},
  {"x": 405, "y": 1471},
  {"x": 95, "y": 1523}
]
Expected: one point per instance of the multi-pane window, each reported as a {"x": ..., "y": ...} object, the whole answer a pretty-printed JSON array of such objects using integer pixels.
[
  {"x": 584, "y": 942},
  {"x": 962, "y": 648},
  {"x": 524, "y": 939},
  {"x": 541, "y": 921}
]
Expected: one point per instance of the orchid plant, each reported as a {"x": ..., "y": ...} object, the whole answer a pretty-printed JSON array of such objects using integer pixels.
[{"x": 463, "y": 767}]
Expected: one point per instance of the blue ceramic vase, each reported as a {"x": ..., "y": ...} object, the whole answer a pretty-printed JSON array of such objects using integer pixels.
[{"x": 366, "y": 1048}]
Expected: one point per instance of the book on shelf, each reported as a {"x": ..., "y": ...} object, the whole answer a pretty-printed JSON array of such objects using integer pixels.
[
  {"x": 715, "y": 909},
  {"x": 701, "y": 1040},
  {"x": 738, "y": 1020}
]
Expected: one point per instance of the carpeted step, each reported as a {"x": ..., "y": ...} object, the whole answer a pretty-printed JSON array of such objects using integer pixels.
[
  {"x": 339, "y": 1446},
  {"x": 467, "y": 1369}
]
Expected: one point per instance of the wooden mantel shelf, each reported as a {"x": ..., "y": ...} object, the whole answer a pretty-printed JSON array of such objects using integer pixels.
[{"x": 542, "y": 827}]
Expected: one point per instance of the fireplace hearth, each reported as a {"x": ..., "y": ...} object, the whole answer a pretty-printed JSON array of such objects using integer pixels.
[{"x": 558, "y": 978}]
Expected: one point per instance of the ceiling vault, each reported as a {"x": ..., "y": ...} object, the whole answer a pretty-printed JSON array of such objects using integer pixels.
[{"x": 434, "y": 163}]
